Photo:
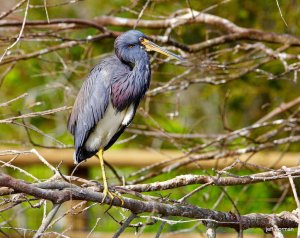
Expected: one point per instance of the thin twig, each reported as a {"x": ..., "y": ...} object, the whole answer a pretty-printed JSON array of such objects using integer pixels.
[
  {"x": 295, "y": 196},
  {"x": 283, "y": 107},
  {"x": 41, "y": 158},
  {"x": 141, "y": 13},
  {"x": 281, "y": 13},
  {"x": 46, "y": 11},
  {"x": 194, "y": 191},
  {"x": 18, "y": 5},
  {"x": 5, "y": 104},
  {"x": 5, "y": 73},
  {"x": 124, "y": 225},
  {"x": 8, "y": 164},
  {"x": 47, "y": 220},
  {"x": 21, "y": 31},
  {"x": 94, "y": 227},
  {"x": 160, "y": 229},
  {"x": 35, "y": 114}
]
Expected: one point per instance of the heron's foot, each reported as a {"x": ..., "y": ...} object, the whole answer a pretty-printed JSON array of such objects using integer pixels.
[{"x": 111, "y": 195}]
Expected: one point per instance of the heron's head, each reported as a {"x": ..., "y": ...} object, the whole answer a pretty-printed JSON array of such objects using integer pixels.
[{"x": 133, "y": 45}]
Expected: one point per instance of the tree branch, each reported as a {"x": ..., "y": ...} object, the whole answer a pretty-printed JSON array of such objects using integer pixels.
[
  {"x": 47, "y": 221},
  {"x": 221, "y": 219}
]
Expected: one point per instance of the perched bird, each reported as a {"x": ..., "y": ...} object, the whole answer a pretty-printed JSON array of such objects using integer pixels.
[{"x": 109, "y": 97}]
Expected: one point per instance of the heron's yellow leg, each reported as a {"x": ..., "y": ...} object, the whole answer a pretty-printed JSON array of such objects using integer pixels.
[{"x": 105, "y": 185}]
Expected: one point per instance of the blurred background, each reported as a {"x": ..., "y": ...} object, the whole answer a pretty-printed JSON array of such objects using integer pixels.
[{"x": 221, "y": 89}]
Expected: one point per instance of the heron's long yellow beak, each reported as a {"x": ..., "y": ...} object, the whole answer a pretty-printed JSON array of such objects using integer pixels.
[{"x": 150, "y": 46}]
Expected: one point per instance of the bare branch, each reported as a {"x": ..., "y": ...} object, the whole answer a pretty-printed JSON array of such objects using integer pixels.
[
  {"x": 221, "y": 219},
  {"x": 35, "y": 114},
  {"x": 18, "y": 5},
  {"x": 124, "y": 225},
  {"x": 47, "y": 221},
  {"x": 20, "y": 34},
  {"x": 189, "y": 179}
]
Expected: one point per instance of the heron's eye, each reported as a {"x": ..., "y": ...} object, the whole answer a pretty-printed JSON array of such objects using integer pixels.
[
  {"x": 141, "y": 39},
  {"x": 130, "y": 46}
]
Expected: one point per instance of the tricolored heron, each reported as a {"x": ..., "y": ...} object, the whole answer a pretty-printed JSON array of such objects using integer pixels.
[{"x": 109, "y": 97}]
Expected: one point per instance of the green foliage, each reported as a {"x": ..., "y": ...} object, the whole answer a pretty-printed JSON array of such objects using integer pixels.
[{"x": 53, "y": 80}]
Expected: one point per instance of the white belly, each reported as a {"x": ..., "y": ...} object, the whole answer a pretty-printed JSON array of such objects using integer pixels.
[{"x": 108, "y": 126}]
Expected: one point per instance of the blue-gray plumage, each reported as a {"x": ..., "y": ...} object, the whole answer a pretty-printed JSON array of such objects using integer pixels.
[{"x": 108, "y": 99}]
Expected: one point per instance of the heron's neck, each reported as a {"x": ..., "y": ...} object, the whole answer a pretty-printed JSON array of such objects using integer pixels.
[
  {"x": 129, "y": 90},
  {"x": 141, "y": 71},
  {"x": 140, "y": 76}
]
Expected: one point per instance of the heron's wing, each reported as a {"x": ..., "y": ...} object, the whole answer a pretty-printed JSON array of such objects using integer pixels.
[
  {"x": 92, "y": 101},
  {"x": 90, "y": 105}
]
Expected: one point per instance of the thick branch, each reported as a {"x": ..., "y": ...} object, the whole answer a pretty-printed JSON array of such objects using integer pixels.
[
  {"x": 234, "y": 32},
  {"x": 221, "y": 219}
]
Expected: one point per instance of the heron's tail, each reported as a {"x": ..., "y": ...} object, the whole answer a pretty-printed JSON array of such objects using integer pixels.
[{"x": 82, "y": 154}]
